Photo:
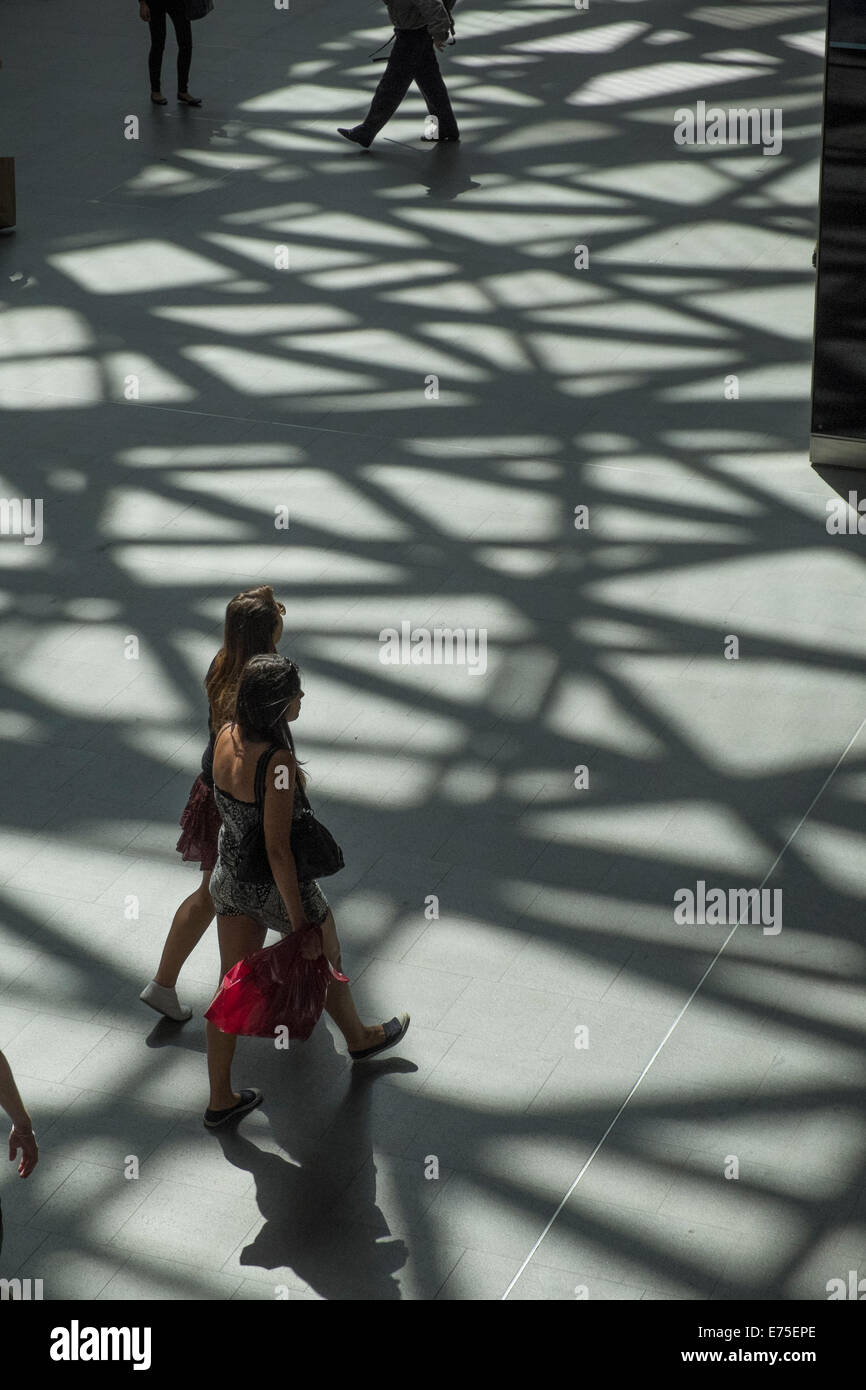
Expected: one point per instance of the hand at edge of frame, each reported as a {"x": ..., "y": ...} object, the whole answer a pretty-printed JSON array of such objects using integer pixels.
[{"x": 25, "y": 1140}]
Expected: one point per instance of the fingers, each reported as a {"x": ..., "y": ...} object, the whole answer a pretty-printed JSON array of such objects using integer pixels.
[{"x": 29, "y": 1154}]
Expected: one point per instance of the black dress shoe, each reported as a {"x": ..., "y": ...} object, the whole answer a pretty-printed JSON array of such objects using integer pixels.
[{"x": 354, "y": 137}]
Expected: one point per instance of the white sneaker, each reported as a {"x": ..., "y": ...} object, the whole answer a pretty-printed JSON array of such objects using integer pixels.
[
  {"x": 165, "y": 1001},
  {"x": 431, "y": 129}
]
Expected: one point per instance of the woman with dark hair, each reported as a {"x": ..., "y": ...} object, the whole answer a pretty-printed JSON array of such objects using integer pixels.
[
  {"x": 253, "y": 624},
  {"x": 268, "y": 700}
]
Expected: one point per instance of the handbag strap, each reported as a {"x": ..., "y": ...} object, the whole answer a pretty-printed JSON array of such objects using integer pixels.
[
  {"x": 305, "y": 801},
  {"x": 261, "y": 774}
]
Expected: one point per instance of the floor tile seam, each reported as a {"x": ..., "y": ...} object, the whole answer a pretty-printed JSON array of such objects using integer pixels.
[
  {"x": 815, "y": 800},
  {"x": 35, "y": 832},
  {"x": 313, "y": 429},
  {"x": 71, "y": 1225},
  {"x": 132, "y": 1257},
  {"x": 91, "y": 1297},
  {"x": 193, "y": 1261},
  {"x": 197, "y": 1187},
  {"x": 458, "y": 1261},
  {"x": 428, "y": 969},
  {"x": 248, "y": 1237},
  {"x": 46, "y": 1016},
  {"x": 104, "y": 888},
  {"x": 616, "y": 1117},
  {"x": 428, "y": 1089},
  {"x": 405, "y": 1223},
  {"x": 211, "y": 415},
  {"x": 542, "y": 1083},
  {"x": 15, "y": 1273},
  {"x": 471, "y": 976},
  {"x": 679, "y": 1251},
  {"x": 678, "y": 1018},
  {"x": 104, "y": 1091},
  {"x": 56, "y": 1116},
  {"x": 37, "y": 1011},
  {"x": 76, "y": 1164},
  {"x": 94, "y": 1162},
  {"x": 31, "y": 1014}
]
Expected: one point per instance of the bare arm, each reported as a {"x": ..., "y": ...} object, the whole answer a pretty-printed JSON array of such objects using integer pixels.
[
  {"x": 22, "y": 1136},
  {"x": 279, "y": 801}
]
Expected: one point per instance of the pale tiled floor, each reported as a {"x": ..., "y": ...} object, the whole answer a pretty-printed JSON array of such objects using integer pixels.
[{"x": 557, "y": 387}]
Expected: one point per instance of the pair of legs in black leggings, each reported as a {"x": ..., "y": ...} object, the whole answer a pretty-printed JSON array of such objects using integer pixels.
[
  {"x": 183, "y": 30},
  {"x": 412, "y": 59}
]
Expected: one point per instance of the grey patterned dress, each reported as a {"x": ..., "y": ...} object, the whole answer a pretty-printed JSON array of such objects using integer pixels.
[{"x": 261, "y": 901}]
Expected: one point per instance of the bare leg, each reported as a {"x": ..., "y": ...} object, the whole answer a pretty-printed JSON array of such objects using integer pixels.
[
  {"x": 238, "y": 936},
  {"x": 339, "y": 1002},
  {"x": 188, "y": 926}
]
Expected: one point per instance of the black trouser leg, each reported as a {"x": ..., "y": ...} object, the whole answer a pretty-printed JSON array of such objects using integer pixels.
[
  {"x": 432, "y": 88},
  {"x": 183, "y": 32},
  {"x": 395, "y": 81},
  {"x": 157, "y": 45}
]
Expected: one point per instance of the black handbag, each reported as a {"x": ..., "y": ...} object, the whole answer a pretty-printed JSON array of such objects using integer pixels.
[
  {"x": 197, "y": 9},
  {"x": 315, "y": 851}
]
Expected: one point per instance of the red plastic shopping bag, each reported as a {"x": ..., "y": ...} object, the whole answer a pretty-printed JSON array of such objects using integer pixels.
[{"x": 272, "y": 988}]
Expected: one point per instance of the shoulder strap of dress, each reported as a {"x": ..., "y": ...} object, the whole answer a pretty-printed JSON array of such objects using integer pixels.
[{"x": 261, "y": 774}]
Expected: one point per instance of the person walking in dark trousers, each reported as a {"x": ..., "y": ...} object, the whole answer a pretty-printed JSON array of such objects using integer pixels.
[
  {"x": 154, "y": 12},
  {"x": 419, "y": 26}
]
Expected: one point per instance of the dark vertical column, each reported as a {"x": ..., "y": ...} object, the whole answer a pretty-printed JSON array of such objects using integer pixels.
[{"x": 838, "y": 431}]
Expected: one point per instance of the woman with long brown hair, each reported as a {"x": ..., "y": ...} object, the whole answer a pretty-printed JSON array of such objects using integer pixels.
[{"x": 253, "y": 626}]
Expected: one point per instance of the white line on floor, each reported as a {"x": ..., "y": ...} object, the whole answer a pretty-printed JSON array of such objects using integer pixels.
[{"x": 682, "y": 1011}]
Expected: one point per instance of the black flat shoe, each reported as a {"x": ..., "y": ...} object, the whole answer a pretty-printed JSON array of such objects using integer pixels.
[
  {"x": 188, "y": 100},
  {"x": 248, "y": 1101},
  {"x": 395, "y": 1031},
  {"x": 354, "y": 137},
  {"x": 159, "y": 101}
]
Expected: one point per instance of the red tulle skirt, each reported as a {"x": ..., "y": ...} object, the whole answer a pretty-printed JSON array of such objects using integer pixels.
[
  {"x": 272, "y": 988},
  {"x": 200, "y": 824}
]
